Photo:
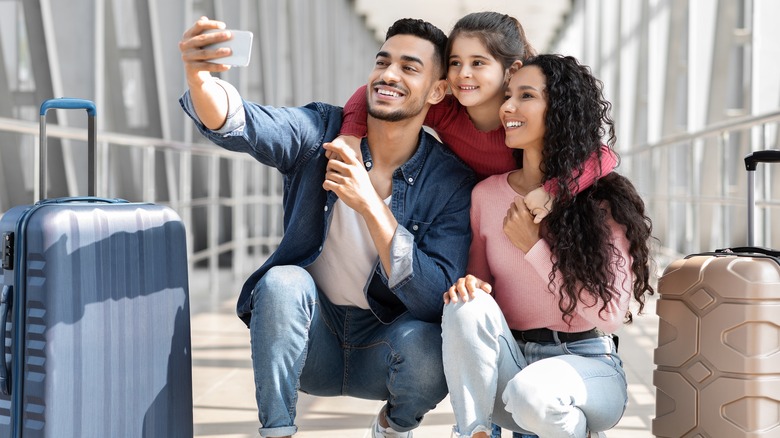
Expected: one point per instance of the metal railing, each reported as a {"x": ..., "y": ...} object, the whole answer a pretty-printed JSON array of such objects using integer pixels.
[
  {"x": 695, "y": 186},
  {"x": 233, "y": 221}
]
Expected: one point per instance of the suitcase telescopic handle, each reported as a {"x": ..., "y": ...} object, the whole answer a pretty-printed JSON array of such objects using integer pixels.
[
  {"x": 41, "y": 170},
  {"x": 751, "y": 162},
  {"x": 766, "y": 156}
]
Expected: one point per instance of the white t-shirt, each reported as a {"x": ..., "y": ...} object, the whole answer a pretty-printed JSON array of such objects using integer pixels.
[{"x": 348, "y": 258}]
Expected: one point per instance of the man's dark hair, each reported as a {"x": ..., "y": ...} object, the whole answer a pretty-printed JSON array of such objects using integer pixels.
[{"x": 426, "y": 31}]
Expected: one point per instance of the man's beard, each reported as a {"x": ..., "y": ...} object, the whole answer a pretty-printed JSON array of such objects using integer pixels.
[
  {"x": 392, "y": 116},
  {"x": 396, "y": 115}
]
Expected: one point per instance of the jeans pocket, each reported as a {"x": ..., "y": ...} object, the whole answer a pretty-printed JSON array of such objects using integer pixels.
[{"x": 597, "y": 348}]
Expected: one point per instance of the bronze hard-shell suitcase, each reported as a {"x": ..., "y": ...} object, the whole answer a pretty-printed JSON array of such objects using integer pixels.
[{"x": 718, "y": 356}]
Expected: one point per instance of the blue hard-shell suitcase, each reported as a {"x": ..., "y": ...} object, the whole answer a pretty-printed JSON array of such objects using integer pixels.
[{"x": 94, "y": 311}]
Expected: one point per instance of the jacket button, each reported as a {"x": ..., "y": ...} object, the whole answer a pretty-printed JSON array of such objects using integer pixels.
[{"x": 415, "y": 227}]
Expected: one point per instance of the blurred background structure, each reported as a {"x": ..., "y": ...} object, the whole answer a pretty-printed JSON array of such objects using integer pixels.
[{"x": 695, "y": 85}]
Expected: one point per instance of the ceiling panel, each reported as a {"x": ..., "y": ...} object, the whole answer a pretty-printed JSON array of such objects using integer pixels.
[{"x": 540, "y": 19}]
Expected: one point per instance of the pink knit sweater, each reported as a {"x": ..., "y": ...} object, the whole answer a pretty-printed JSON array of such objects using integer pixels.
[{"x": 520, "y": 280}]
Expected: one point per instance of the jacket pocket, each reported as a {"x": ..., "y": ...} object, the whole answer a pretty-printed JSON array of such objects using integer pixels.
[{"x": 418, "y": 229}]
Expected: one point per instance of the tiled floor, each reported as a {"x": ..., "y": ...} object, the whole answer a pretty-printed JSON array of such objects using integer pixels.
[{"x": 223, "y": 387}]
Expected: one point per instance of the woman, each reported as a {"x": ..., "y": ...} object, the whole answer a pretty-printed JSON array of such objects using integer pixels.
[{"x": 527, "y": 334}]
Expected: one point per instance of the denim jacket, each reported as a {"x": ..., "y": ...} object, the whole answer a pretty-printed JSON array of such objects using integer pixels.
[{"x": 431, "y": 198}]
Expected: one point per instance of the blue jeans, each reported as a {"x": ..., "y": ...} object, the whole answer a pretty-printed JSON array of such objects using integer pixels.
[
  {"x": 497, "y": 433},
  {"x": 301, "y": 341},
  {"x": 551, "y": 390}
]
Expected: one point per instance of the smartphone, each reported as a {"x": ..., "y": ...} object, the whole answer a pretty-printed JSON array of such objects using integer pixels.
[{"x": 240, "y": 44}]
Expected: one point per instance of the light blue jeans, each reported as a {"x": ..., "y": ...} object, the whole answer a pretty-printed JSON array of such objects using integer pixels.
[
  {"x": 301, "y": 341},
  {"x": 551, "y": 390}
]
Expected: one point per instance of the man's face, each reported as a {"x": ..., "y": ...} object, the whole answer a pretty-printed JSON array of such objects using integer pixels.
[{"x": 403, "y": 78}]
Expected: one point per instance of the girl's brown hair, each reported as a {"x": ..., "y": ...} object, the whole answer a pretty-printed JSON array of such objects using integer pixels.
[{"x": 502, "y": 35}]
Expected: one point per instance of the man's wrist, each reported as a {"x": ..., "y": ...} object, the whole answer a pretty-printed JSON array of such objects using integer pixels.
[
  {"x": 373, "y": 208},
  {"x": 199, "y": 79}
]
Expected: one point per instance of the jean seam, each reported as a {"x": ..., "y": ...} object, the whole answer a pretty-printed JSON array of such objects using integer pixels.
[
  {"x": 346, "y": 348},
  {"x": 294, "y": 405},
  {"x": 391, "y": 378},
  {"x": 508, "y": 341}
]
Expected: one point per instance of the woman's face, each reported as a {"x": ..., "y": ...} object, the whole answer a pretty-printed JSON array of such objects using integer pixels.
[
  {"x": 474, "y": 75},
  {"x": 523, "y": 111}
]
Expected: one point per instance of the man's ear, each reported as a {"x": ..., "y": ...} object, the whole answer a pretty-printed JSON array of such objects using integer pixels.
[{"x": 437, "y": 92}]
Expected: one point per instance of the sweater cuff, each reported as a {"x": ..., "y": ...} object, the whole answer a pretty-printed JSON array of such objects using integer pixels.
[
  {"x": 353, "y": 129},
  {"x": 540, "y": 257}
]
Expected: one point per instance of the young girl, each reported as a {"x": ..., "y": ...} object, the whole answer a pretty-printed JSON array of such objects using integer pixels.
[
  {"x": 483, "y": 49},
  {"x": 537, "y": 356}
]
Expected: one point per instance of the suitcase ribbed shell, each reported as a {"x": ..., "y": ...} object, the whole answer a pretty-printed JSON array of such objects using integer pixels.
[
  {"x": 106, "y": 332},
  {"x": 718, "y": 354}
]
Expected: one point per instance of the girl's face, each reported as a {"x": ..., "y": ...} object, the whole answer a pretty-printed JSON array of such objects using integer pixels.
[
  {"x": 475, "y": 77},
  {"x": 522, "y": 114}
]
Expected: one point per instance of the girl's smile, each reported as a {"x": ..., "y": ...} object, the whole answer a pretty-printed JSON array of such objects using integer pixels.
[{"x": 475, "y": 77}]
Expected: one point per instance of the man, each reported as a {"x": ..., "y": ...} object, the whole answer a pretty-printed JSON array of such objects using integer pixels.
[{"x": 350, "y": 303}]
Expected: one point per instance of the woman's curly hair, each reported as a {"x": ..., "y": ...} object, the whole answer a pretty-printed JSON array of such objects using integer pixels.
[{"x": 577, "y": 230}]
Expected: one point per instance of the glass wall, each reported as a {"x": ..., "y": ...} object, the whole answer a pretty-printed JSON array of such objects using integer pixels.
[{"x": 695, "y": 85}]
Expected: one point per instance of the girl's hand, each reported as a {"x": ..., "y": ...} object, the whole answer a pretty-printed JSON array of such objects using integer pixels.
[
  {"x": 538, "y": 202},
  {"x": 465, "y": 288},
  {"x": 346, "y": 141},
  {"x": 520, "y": 227}
]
